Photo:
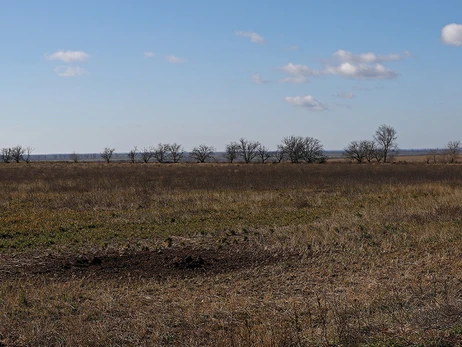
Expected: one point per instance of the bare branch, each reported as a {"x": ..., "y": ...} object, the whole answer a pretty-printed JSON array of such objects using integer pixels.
[
  {"x": 107, "y": 154},
  {"x": 202, "y": 153}
]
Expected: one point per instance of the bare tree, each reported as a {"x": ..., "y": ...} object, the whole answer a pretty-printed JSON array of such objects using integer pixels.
[
  {"x": 107, "y": 154},
  {"x": 433, "y": 156},
  {"x": 292, "y": 148},
  {"x": 370, "y": 148},
  {"x": 132, "y": 154},
  {"x": 176, "y": 152},
  {"x": 202, "y": 153},
  {"x": 385, "y": 137},
  {"x": 6, "y": 155},
  {"x": 279, "y": 154},
  {"x": 75, "y": 157},
  {"x": 248, "y": 149},
  {"x": 160, "y": 152},
  {"x": 263, "y": 153},
  {"x": 452, "y": 151},
  {"x": 147, "y": 154},
  {"x": 360, "y": 151},
  {"x": 231, "y": 151},
  {"x": 17, "y": 153},
  {"x": 27, "y": 153},
  {"x": 355, "y": 151},
  {"x": 313, "y": 150}
]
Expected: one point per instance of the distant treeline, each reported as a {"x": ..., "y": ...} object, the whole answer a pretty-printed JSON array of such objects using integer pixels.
[{"x": 295, "y": 149}]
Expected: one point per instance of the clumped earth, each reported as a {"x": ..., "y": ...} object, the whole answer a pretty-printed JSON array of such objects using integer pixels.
[
  {"x": 161, "y": 264},
  {"x": 230, "y": 255}
]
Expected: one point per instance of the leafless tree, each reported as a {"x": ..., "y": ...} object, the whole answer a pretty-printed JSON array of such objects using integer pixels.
[
  {"x": 292, "y": 148},
  {"x": 385, "y": 137},
  {"x": 263, "y": 153},
  {"x": 147, "y": 153},
  {"x": 432, "y": 156},
  {"x": 132, "y": 154},
  {"x": 355, "y": 151},
  {"x": 313, "y": 150},
  {"x": 202, "y": 153},
  {"x": 370, "y": 148},
  {"x": 231, "y": 151},
  {"x": 452, "y": 151},
  {"x": 75, "y": 157},
  {"x": 176, "y": 152},
  {"x": 107, "y": 154},
  {"x": 279, "y": 154},
  {"x": 360, "y": 151},
  {"x": 248, "y": 149},
  {"x": 6, "y": 155},
  {"x": 27, "y": 153},
  {"x": 160, "y": 152},
  {"x": 17, "y": 153}
]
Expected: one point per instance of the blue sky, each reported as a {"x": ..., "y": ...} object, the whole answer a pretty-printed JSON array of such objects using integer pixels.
[{"x": 77, "y": 76}]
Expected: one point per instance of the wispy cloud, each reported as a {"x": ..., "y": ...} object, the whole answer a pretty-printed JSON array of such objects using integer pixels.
[
  {"x": 69, "y": 56},
  {"x": 451, "y": 34},
  {"x": 365, "y": 58},
  {"x": 293, "y": 48},
  {"x": 306, "y": 101},
  {"x": 149, "y": 54},
  {"x": 295, "y": 80},
  {"x": 253, "y": 36},
  {"x": 257, "y": 79},
  {"x": 345, "y": 95},
  {"x": 342, "y": 105},
  {"x": 70, "y": 71},
  {"x": 175, "y": 60},
  {"x": 365, "y": 66},
  {"x": 300, "y": 70}
]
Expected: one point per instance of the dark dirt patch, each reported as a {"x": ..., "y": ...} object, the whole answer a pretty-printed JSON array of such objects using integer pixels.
[{"x": 158, "y": 264}]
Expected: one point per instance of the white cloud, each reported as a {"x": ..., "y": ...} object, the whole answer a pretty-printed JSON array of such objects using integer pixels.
[
  {"x": 366, "y": 58},
  {"x": 295, "y": 80},
  {"x": 306, "y": 101},
  {"x": 300, "y": 70},
  {"x": 69, "y": 56},
  {"x": 361, "y": 71},
  {"x": 345, "y": 95},
  {"x": 293, "y": 48},
  {"x": 149, "y": 54},
  {"x": 175, "y": 60},
  {"x": 257, "y": 79},
  {"x": 254, "y": 37},
  {"x": 70, "y": 71},
  {"x": 365, "y": 66},
  {"x": 451, "y": 34}
]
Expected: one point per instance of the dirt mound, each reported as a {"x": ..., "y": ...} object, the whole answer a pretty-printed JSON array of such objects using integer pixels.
[{"x": 157, "y": 264}]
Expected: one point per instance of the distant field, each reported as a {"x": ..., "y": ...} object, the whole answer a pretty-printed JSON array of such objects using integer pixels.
[{"x": 332, "y": 254}]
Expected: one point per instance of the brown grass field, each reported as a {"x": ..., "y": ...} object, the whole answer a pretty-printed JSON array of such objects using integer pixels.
[{"x": 329, "y": 254}]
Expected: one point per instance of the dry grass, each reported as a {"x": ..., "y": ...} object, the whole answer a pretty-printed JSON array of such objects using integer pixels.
[{"x": 339, "y": 254}]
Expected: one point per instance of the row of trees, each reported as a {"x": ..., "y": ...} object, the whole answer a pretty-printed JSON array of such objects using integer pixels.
[
  {"x": 449, "y": 154},
  {"x": 292, "y": 148},
  {"x": 382, "y": 148},
  {"x": 16, "y": 154}
]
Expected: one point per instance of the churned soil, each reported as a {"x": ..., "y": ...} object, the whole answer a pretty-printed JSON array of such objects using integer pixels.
[{"x": 161, "y": 264}]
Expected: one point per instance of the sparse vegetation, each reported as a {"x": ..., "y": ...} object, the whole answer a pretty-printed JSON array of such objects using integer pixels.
[{"x": 230, "y": 255}]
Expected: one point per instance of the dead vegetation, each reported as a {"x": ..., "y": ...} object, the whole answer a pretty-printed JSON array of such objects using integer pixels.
[{"x": 230, "y": 255}]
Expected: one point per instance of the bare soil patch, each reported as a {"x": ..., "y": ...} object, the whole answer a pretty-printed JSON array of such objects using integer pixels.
[{"x": 161, "y": 264}]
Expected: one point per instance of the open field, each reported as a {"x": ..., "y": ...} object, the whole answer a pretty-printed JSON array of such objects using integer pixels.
[{"x": 230, "y": 255}]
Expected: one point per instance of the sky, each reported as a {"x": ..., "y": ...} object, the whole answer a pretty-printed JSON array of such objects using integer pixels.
[{"x": 78, "y": 76}]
